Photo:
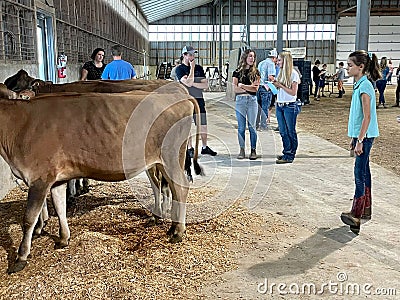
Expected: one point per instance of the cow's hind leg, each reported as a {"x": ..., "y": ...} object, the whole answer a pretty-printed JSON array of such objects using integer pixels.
[
  {"x": 36, "y": 196},
  {"x": 58, "y": 194},
  {"x": 179, "y": 186},
  {"x": 42, "y": 221},
  {"x": 152, "y": 174}
]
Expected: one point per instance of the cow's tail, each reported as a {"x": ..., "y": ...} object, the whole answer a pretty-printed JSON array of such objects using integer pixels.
[{"x": 197, "y": 168}]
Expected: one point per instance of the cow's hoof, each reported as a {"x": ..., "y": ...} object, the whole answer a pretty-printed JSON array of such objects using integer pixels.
[
  {"x": 175, "y": 239},
  {"x": 18, "y": 266},
  {"x": 171, "y": 231},
  {"x": 153, "y": 221},
  {"x": 60, "y": 245}
]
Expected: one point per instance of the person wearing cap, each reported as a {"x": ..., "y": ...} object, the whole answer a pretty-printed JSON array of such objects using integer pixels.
[
  {"x": 193, "y": 77},
  {"x": 264, "y": 94},
  {"x": 118, "y": 69}
]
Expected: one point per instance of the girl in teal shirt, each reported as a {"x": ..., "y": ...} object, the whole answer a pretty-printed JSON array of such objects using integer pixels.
[{"x": 362, "y": 129}]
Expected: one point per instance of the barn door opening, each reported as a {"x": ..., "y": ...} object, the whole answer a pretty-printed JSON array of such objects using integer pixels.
[{"x": 45, "y": 44}]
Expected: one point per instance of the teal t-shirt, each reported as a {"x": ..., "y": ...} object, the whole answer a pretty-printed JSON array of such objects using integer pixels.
[{"x": 362, "y": 86}]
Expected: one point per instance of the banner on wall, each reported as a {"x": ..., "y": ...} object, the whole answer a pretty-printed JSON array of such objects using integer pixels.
[{"x": 299, "y": 52}]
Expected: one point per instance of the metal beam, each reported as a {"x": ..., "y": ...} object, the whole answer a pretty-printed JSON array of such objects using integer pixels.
[
  {"x": 362, "y": 24},
  {"x": 280, "y": 5}
]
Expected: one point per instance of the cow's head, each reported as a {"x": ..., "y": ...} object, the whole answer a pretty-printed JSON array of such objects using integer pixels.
[{"x": 19, "y": 82}]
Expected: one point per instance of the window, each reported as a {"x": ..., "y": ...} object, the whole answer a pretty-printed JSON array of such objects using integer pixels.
[{"x": 297, "y": 11}]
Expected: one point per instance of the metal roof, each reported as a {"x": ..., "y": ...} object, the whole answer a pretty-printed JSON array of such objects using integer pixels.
[{"x": 154, "y": 10}]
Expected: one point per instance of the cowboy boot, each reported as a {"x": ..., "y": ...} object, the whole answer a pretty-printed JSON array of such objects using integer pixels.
[
  {"x": 241, "y": 154},
  {"x": 353, "y": 217},
  {"x": 368, "y": 203}
]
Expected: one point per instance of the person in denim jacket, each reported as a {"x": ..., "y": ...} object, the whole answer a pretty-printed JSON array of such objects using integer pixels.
[
  {"x": 245, "y": 80},
  {"x": 362, "y": 129},
  {"x": 287, "y": 107}
]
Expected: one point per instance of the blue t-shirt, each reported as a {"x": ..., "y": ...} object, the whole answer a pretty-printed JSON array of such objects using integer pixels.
[
  {"x": 362, "y": 86},
  {"x": 266, "y": 68},
  {"x": 118, "y": 70}
]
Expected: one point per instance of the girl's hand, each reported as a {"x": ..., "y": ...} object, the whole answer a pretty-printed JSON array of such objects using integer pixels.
[{"x": 358, "y": 150}]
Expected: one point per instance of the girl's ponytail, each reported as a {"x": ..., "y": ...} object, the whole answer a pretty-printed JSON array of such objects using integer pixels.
[{"x": 373, "y": 68}]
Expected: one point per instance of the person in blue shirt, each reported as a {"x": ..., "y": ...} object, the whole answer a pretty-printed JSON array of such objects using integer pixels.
[
  {"x": 118, "y": 69},
  {"x": 264, "y": 93},
  {"x": 362, "y": 129}
]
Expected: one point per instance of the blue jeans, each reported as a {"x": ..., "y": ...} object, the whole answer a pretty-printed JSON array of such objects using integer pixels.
[
  {"x": 362, "y": 173},
  {"x": 381, "y": 86},
  {"x": 287, "y": 117},
  {"x": 246, "y": 106},
  {"x": 264, "y": 98}
]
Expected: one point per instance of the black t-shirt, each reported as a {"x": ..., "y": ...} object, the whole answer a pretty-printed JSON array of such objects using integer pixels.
[
  {"x": 315, "y": 73},
  {"x": 244, "y": 78},
  {"x": 94, "y": 72},
  {"x": 199, "y": 74}
]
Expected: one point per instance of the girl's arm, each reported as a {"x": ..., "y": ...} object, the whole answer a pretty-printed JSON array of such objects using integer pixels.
[
  {"x": 366, "y": 107},
  {"x": 250, "y": 87},
  {"x": 292, "y": 90},
  {"x": 236, "y": 88}
]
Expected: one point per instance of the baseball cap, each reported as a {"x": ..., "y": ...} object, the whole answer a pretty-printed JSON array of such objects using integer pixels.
[
  {"x": 188, "y": 49},
  {"x": 273, "y": 53}
]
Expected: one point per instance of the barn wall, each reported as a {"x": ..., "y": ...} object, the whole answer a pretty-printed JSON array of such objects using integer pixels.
[
  {"x": 79, "y": 27},
  {"x": 384, "y": 37}
]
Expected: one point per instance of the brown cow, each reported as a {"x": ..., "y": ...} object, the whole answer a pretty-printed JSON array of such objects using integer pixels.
[
  {"x": 22, "y": 81},
  {"x": 123, "y": 135}
]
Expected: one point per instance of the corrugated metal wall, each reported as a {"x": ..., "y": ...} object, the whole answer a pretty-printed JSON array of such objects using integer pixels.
[
  {"x": 384, "y": 38},
  {"x": 81, "y": 26},
  {"x": 262, "y": 13}
]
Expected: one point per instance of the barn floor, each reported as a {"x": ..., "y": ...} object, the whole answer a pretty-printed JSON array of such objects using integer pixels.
[{"x": 256, "y": 230}]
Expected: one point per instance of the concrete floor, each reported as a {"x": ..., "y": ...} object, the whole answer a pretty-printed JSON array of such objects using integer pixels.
[{"x": 317, "y": 249}]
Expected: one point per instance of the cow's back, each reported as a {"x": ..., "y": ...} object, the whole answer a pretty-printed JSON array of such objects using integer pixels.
[
  {"x": 114, "y": 86},
  {"x": 84, "y": 133}
]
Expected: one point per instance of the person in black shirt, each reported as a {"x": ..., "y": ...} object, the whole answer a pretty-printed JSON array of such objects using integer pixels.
[
  {"x": 193, "y": 77},
  {"x": 93, "y": 69},
  {"x": 245, "y": 80},
  {"x": 315, "y": 76}
]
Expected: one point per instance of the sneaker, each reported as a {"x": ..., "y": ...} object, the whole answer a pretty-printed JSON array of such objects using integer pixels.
[
  {"x": 253, "y": 155},
  {"x": 207, "y": 150},
  {"x": 190, "y": 152},
  {"x": 283, "y": 161}
]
